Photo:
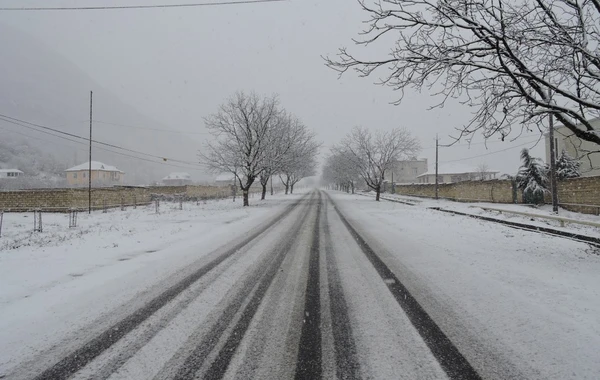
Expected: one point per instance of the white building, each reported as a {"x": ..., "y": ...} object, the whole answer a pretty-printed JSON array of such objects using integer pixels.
[
  {"x": 456, "y": 173},
  {"x": 10, "y": 173},
  {"x": 177, "y": 179},
  {"x": 407, "y": 171},
  {"x": 576, "y": 148}
]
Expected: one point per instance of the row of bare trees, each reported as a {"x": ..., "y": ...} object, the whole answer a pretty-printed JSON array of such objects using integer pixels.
[
  {"x": 368, "y": 155},
  {"x": 253, "y": 138},
  {"x": 512, "y": 62}
]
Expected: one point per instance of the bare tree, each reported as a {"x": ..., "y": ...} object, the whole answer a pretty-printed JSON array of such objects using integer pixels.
[
  {"x": 373, "y": 154},
  {"x": 241, "y": 130},
  {"x": 286, "y": 140},
  {"x": 482, "y": 171},
  {"x": 501, "y": 57},
  {"x": 301, "y": 159},
  {"x": 340, "y": 171}
]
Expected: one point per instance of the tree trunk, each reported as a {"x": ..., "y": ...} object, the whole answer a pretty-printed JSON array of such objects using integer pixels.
[
  {"x": 352, "y": 185},
  {"x": 378, "y": 191},
  {"x": 246, "y": 198},
  {"x": 287, "y": 188},
  {"x": 292, "y": 189},
  {"x": 264, "y": 192}
]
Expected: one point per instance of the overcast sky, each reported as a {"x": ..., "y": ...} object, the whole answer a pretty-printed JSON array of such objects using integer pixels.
[{"x": 177, "y": 65}]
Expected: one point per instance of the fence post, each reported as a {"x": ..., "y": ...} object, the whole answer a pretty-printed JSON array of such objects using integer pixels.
[
  {"x": 157, "y": 205},
  {"x": 181, "y": 203},
  {"x": 134, "y": 202},
  {"x": 37, "y": 221},
  {"x": 104, "y": 208},
  {"x": 73, "y": 218},
  {"x": 1, "y": 219},
  {"x": 122, "y": 203}
]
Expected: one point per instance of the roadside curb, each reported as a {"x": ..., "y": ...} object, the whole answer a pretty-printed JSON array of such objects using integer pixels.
[
  {"x": 523, "y": 226},
  {"x": 551, "y": 231}
]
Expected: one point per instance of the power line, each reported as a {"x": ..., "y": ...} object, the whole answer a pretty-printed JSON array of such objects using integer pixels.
[
  {"x": 476, "y": 143},
  {"x": 95, "y": 8},
  {"x": 101, "y": 148},
  {"x": 19, "y": 121},
  {"x": 150, "y": 129},
  {"x": 193, "y": 165},
  {"x": 490, "y": 153}
]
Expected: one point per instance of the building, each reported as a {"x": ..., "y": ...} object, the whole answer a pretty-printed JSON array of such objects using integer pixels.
[
  {"x": 575, "y": 147},
  {"x": 10, "y": 173},
  {"x": 177, "y": 179},
  {"x": 102, "y": 174},
  {"x": 453, "y": 173},
  {"x": 407, "y": 171}
]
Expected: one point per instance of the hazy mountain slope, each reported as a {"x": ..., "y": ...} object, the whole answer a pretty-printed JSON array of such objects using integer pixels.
[{"x": 41, "y": 86}]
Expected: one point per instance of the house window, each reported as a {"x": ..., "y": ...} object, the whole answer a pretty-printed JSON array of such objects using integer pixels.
[
  {"x": 74, "y": 175},
  {"x": 83, "y": 175},
  {"x": 415, "y": 171}
]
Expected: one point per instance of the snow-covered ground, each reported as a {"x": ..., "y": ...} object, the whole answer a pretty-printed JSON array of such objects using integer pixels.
[
  {"x": 514, "y": 302},
  {"x": 56, "y": 281},
  {"x": 476, "y": 209}
]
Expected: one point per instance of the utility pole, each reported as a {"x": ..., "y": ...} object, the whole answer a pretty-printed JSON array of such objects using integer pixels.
[
  {"x": 393, "y": 187},
  {"x": 436, "y": 165},
  {"x": 553, "y": 185},
  {"x": 90, "y": 163},
  {"x": 271, "y": 184}
]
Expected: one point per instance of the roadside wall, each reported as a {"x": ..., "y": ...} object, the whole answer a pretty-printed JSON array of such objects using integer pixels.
[
  {"x": 494, "y": 191},
  {"x": 577, "y": 194},
  {"x": 582, "y": 191},
  {"x": 65, "y": 199},
  {"x": 22, "y": 200}
]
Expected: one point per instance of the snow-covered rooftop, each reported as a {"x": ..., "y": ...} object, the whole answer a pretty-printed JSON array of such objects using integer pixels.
[
  {"x": 177, "y": 175},
  {"x": 224, "y": 177},
  {"x": 10, "y": 171},
  {"x": 96, "y": 165}
]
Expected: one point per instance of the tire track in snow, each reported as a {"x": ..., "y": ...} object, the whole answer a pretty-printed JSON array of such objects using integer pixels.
[
  {"x": 446, "y": 353},
  {"x": 79, "y": 358},
  {"x": 308, "y": 365},
  {"x": 234, "y": 320},
  {"x": 346, "y": 360}
]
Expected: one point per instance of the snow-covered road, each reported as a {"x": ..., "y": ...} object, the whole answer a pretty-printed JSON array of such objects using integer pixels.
[{"x": 324, "y": 285}]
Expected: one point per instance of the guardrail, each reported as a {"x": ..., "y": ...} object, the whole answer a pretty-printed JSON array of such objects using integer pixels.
[{"x": 560, "y": 219}]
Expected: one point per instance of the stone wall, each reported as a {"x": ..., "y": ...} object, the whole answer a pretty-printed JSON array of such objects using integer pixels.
[
  {"x": 62, "y": 200},
  {"x": 23, "y": 200},
  {"x": 495, "y": 191},
  {"x": 577, "y": 194}
]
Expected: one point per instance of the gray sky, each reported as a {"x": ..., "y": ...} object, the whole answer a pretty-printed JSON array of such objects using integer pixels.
[{"x": 177, "y": 65}]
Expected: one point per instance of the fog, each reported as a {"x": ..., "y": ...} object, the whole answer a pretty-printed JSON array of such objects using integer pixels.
[{"x": 169, "y": 68}]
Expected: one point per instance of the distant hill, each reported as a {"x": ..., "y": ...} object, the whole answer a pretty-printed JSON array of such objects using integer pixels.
[{"x": 41, "y": 86}]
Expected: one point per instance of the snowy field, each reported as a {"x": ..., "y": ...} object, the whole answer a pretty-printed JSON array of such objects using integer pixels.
[
  {"x": 60, "y": 279},
  {"x": 475, "y": 209},
  {"x": 528, "y": 300}
]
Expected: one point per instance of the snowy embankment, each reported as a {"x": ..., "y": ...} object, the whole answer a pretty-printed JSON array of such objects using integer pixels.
[
  {"x": 476, "y": 209},
  {"x": 528, "y": 300},
  {"x": 57, "y": 281}
]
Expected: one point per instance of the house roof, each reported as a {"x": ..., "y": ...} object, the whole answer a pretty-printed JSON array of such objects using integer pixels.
[
  {"x": 96, "y": 165},
  {"x": 10, "y": 171},
  {"x": 454, "y": 169},
  {"x": 177, "y": 175}
]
